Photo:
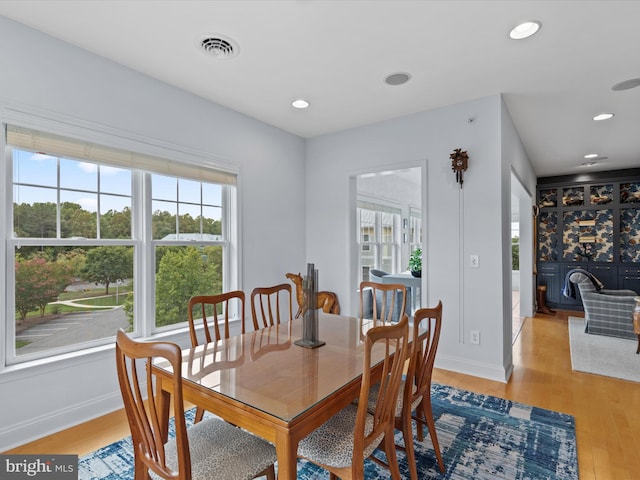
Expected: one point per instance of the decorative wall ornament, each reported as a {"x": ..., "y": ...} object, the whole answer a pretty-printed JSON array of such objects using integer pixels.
[{"x": 459, "y": 163}]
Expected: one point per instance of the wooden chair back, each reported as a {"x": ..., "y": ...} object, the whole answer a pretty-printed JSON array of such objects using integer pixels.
[
  {"x": 133, "y": 360},
  {"x": 391, "y": 296},
  {"x": 394, "y": 339},
  {"x": 266, "y": 308},
  {"x": 213, "y": 311},
  {"x": 427, "y": 323}
]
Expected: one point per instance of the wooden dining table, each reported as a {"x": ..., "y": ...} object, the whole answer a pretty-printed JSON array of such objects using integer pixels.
[{"x": 264, "y": 383}]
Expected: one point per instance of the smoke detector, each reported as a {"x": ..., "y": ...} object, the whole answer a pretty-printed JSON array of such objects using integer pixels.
[{"x": 218, "y": 46}]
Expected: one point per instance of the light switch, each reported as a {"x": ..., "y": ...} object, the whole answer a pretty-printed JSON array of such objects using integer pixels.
[{"x": 474, "y": 261}]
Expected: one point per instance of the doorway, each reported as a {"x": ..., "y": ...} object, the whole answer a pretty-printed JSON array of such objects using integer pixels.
[
  {"x": 389, "y": 218},
  {"x": 522, "y": 287}
]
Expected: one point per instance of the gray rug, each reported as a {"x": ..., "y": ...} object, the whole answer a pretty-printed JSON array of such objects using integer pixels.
[{"x": 602, "y": 355}]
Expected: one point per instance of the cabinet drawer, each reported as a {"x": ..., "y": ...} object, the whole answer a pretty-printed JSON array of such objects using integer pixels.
[
  {"x": 546, "y": 268},
  {"x": 634, "y": 271},
  {"x": 600, "y": 268},
  {"x": 629, "y": 282}
]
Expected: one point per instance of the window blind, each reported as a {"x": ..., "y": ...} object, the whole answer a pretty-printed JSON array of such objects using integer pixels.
[{"x": 55, "y": 145}]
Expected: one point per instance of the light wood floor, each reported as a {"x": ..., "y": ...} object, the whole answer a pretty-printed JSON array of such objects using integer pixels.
[{"x": 607, "y": 411}]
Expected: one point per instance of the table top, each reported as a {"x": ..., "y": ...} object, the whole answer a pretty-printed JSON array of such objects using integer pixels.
[
  {"x": 265, "y": 370},
  {"x": 403, "y": 278}
]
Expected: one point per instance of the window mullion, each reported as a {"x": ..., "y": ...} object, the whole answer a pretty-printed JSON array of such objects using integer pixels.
[{"x": 143, "y": 233}]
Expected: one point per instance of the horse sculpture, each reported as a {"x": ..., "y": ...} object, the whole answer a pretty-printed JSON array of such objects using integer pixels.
[{"x": 328, "y": 301}]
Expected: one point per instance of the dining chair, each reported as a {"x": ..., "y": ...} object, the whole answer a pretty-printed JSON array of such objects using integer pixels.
[
  {"x": 388, "y": 301},
  {"x": 342, "y": 443},
  {"x": 212, "y": 311},
  {"x": 212, "y": 448},
  {"x": 415, "y": 390},
  {"x": 265, "y": 305}
]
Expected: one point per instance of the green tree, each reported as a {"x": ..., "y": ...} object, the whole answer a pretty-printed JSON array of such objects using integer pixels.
[
  {"x": 75, "y": 221},
  {"x": 75, "y": 259},
  {"x": 107, "y": 264},
  {"x": 188, "y": 224},
  {"x": 184, "y": 272},
  {"x": 38, "y": 283},
  {"x": 515, "y": 253},
  {"x": 163, "y": 224},
  {"x": 35, "y": 221},
  {"x": 213, "y": 227},
  {"x": 115, "y": 224},
  {"x": 127, "y": 306}
]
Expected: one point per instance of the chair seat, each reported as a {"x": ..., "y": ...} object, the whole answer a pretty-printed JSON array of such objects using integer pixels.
[
  {"x": 212, "y": 443},
  {"x": 373, "y": 395},
  {"x": 332, "y": 443}
]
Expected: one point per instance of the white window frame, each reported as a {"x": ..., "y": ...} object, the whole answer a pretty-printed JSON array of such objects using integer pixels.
[
  {"x": 193, "y": 164},
  {"x": 395, "y": 246}
]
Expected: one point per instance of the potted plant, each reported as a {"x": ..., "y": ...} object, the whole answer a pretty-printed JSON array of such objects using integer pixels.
[{"x": 415, "y": 262}]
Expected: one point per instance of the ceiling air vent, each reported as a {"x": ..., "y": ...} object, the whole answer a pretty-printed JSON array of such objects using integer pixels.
[{"x": 218, "y": 46}]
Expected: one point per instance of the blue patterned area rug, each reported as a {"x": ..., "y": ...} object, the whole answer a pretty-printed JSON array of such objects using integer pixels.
[{"x": 481, "y": 437}]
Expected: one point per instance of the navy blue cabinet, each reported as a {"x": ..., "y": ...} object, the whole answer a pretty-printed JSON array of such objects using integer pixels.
[
  {"x": 590, "y": 222},
  {"x": 629, "y": 278}
]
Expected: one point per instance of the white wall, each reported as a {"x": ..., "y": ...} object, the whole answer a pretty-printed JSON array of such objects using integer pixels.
[
  {"x": 516, "y": 164},
  {"x": 460, "y": 222},
  {"x": 292, "y": 211},
  {"x": 43, "y": 76}
]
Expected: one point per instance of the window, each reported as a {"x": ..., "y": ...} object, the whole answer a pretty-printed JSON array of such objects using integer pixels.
[
  {"x": 379, "y": 238},
  {"x": 91, "y": 229},
  {"x": 415, "y": 232},
  {"x": 184, "y": 212},
  {"x": 515, "y": 246}
]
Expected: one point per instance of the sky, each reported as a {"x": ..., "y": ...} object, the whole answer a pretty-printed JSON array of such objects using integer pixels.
[{"x": 36, "y": 177}]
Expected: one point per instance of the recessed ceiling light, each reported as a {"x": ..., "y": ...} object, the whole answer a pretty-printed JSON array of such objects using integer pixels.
[
  {"x": 300, "y": 103},
  {"x": 626, "y": 85},
  {"x": 397, "y": 78},
  {"x": 591, "y": 155},
  {"x": 589, "y": 164},
  {"x": 603, "y": 116},
  {"x": 525, "y": 29}
]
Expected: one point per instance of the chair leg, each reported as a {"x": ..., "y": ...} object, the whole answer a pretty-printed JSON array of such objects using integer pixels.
[
  {"x": 141, "y": 471},
  {"x": 407, "y": 434},
  {"x": 420, "y": 423},
  {"x": 199, "y": 415},
  {"x": 269, "y": 472},
  {"x": 431, "y": 424},
  {"x": 390, "y": 452}
]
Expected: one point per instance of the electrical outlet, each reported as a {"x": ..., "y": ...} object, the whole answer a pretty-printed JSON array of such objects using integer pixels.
[
  {"x": 475, "y": 337},
  {"x": 474, "y": 261}
]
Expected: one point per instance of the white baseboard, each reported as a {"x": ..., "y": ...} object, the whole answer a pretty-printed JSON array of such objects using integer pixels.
[
  {"x": 52, "y": 422},
  {"x": 477, "y": 369}
]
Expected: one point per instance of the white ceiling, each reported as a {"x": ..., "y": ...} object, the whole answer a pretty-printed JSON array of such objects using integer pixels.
[{"x": 337, "y": 54}]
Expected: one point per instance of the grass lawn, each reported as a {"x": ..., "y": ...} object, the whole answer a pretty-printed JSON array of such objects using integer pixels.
[
  {"x": 108, "y": 301},
  {"x": 96, "y": 292}
]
